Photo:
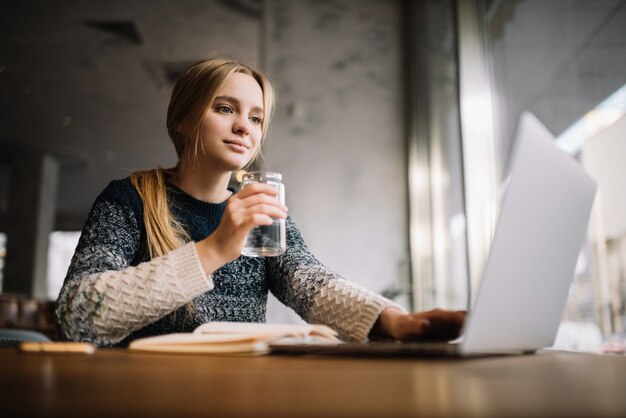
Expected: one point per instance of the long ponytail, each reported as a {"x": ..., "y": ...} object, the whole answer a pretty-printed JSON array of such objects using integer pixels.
[{"x": 164, "y": 233}]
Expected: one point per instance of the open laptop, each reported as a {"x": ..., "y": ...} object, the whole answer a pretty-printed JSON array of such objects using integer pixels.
[{"x": 541, "y": 228}]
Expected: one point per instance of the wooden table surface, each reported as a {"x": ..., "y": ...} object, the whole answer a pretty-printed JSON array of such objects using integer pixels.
[{"x": 117, "y": 383}]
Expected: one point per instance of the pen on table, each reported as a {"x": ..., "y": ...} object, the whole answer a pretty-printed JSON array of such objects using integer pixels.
[{"x": 57, "y": 347}]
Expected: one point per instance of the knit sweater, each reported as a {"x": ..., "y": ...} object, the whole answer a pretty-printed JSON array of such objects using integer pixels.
[{"x": 114, "y": 293}]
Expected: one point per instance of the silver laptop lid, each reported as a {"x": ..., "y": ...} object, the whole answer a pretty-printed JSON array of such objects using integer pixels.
[{"x": 540, "y": 231}]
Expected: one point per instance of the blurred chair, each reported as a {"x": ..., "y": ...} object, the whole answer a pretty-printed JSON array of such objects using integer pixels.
[
  {"x": 9, "y": 311},
  {"x": 23, "y": 318},
  {"x": 10, "y": 338}
]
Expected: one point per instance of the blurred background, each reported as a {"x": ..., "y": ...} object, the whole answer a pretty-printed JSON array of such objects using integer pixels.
[{"x": 393, "y": 129}]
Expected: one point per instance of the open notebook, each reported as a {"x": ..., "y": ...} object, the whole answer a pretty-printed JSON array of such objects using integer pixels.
[{"x": 238, "y": 338}]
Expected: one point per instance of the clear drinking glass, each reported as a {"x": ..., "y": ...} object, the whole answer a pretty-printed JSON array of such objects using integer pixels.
[{"x": 266, "y": 240}]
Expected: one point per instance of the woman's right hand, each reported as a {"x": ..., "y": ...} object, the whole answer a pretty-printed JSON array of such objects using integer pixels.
[{"x": 256, "y": 204}]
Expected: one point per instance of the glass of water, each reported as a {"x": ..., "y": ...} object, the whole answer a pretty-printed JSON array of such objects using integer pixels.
[{"x": 266, "y": 240}]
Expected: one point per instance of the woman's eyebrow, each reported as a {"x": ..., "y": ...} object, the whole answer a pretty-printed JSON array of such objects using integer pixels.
[{"x": 236, "y": 102}]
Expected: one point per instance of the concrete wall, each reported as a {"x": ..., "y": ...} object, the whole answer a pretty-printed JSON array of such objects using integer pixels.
[{"x": 338, "y": 134}]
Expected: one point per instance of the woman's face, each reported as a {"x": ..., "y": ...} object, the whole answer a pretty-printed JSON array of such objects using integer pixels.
[{"x": 231, "y": 128}]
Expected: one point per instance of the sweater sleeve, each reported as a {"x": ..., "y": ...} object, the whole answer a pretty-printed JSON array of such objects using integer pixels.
[
  {"x": 321, "y": 296},
  {"x": 104, "y": 298}
]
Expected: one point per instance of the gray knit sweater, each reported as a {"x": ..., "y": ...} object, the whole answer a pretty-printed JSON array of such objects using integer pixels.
[{"x": 114, "y": 293}]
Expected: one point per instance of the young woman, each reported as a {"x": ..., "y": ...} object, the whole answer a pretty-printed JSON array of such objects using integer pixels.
[{"x": 160, "y": 251}]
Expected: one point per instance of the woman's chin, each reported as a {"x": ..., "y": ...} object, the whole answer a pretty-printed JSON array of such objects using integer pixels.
[
  {"x": 235, "y": 164},
  {"x": 227, "y": 163}
]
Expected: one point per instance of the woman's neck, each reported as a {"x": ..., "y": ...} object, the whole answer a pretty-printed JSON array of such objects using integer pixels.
[{"x": 200, "y": 184}]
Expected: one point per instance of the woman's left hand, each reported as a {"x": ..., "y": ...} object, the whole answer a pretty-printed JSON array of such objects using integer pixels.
[{"x": 430, "y": 325}]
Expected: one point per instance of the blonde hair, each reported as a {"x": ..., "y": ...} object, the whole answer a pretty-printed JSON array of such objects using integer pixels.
[{"x": 193, "y": 94}]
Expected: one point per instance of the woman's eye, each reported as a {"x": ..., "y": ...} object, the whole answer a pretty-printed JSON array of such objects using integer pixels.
[
  {"x": 224, "y": 109},
  {"x": 255, "y": 119}
]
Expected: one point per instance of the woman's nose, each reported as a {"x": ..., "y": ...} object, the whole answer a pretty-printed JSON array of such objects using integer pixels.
[{"x": 241, "y": 126}]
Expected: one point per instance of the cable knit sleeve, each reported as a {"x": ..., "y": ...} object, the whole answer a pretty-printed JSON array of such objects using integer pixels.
[
  {"x": 321, "y": 296},
  {"x": 104, "y": 297}
]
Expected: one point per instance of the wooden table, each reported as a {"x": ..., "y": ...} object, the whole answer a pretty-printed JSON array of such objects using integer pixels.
[{"x": 116, "y": 383}]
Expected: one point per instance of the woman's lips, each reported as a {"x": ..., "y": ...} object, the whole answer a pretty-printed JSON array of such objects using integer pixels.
[{"x": 236, "y": 145}]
